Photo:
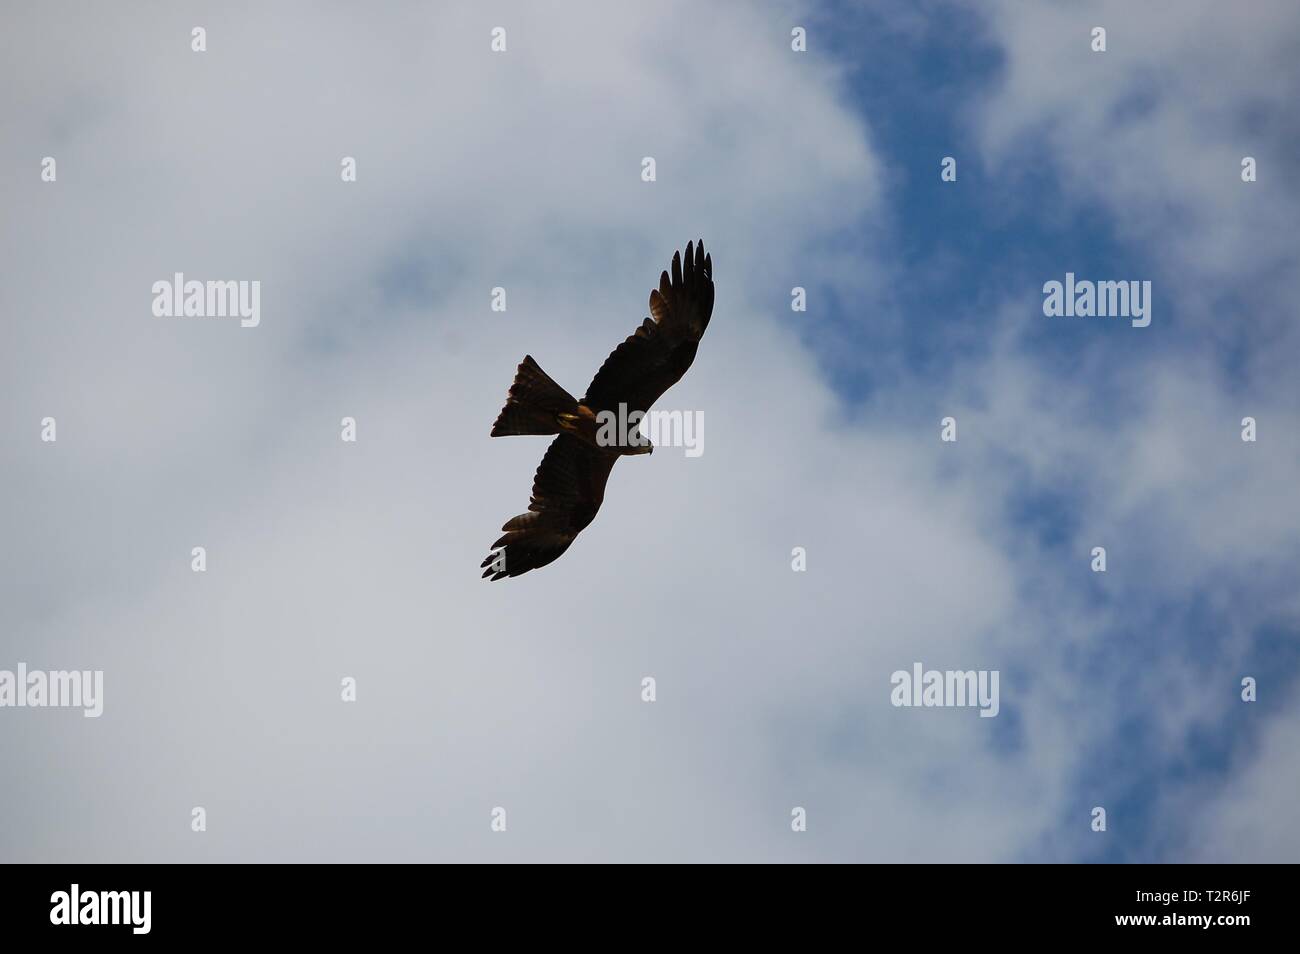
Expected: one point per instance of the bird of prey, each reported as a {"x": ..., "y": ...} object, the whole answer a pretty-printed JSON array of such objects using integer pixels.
[{"x": 570, "y": 482}]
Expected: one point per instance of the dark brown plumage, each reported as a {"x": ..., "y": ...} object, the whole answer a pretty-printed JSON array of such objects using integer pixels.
[{"x": 569, "y": 486}]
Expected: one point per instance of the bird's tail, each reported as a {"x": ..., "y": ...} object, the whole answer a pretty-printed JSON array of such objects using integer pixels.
[{"x": 533, "y": 403}]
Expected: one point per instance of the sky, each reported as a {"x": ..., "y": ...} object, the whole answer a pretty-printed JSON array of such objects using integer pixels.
[{"x": 330, "y": 560}]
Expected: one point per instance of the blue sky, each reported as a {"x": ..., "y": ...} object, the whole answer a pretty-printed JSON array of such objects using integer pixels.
[
  {"x": 521, "y": 170},
  {"x": 961, "y": 251}
]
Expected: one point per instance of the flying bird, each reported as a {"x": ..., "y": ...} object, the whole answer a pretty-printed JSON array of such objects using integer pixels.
[{"x": 570, "y": 482}]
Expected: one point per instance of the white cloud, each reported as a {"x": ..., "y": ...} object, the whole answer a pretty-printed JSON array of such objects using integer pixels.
[
  {"x": 1153, "y": 132},
  {"x": 328, "y": 559}
]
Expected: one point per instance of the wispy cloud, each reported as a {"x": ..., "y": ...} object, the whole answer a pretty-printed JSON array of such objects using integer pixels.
[{"x": 522, "y": 170}]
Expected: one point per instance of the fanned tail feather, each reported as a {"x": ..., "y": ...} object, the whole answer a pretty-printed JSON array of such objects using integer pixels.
[{"x": 532, "y": 403}]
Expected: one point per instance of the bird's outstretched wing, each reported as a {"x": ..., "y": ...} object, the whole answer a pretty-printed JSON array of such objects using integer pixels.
[
  {"x": 567, "y": 493},
  {"x": 656, "y": 356}
]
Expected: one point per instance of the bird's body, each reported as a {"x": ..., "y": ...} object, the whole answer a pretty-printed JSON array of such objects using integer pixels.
[{"x": 569, "y": 486}]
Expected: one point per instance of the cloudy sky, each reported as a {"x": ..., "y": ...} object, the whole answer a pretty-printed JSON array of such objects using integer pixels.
[{"x": 522, "y": 169}]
